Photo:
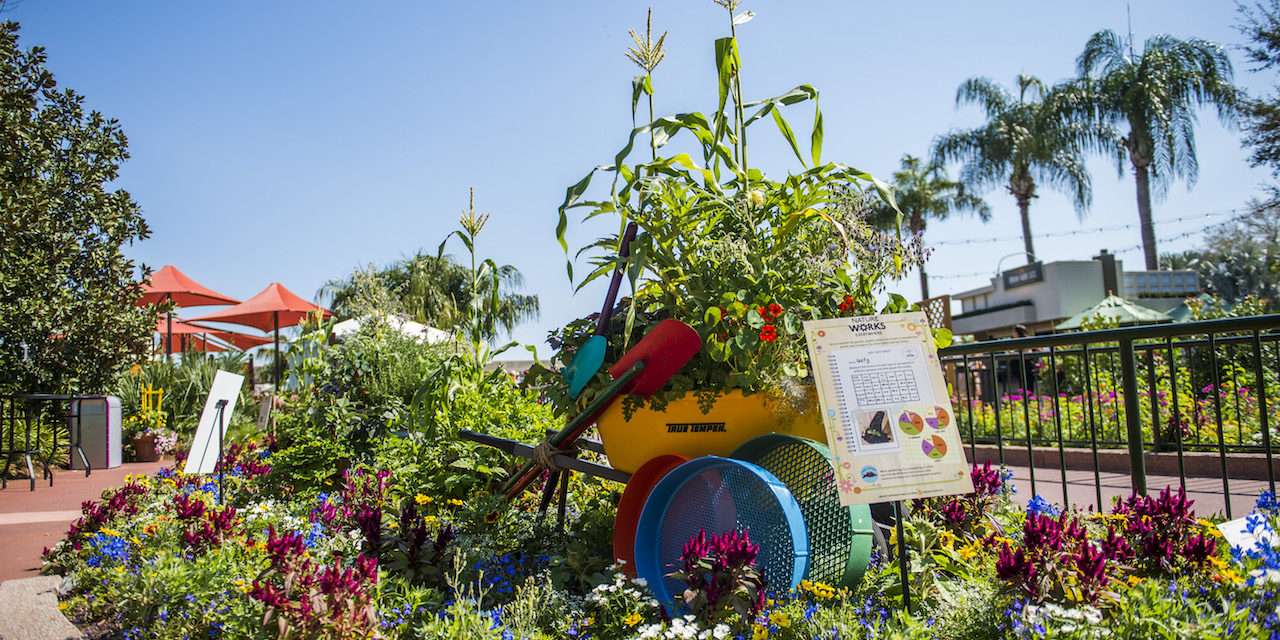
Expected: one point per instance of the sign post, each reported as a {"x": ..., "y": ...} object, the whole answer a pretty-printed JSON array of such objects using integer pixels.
[
  {"x": 888, "y": 417},
  {"x": 221, "y": 407}
]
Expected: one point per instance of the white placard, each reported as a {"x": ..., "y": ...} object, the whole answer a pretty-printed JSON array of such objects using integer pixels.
[
  {"x": 204, "y": 447},
  {"x": 1236, "y": 533},
  {"x": 888, "y": 417}
]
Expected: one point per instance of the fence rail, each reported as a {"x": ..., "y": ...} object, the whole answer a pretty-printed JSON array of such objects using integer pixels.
[{"x": 1190, "y": 390}]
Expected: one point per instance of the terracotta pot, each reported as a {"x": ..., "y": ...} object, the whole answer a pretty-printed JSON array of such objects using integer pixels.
[{"x": 144, "y": 449}]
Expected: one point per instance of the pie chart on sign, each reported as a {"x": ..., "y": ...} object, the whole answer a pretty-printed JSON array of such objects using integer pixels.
[
  {"x": 911, "y": 423},
  {"x": 934, "y": 447},
  {"x": 940, "y": 418}
]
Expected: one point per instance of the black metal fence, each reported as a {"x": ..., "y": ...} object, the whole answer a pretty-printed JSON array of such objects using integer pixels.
[{"x": 1195, "y": 400}]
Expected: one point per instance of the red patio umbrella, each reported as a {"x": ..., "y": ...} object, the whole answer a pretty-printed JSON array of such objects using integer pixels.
[
  {"x": 202, "y": 343},
  {"x": 168, "y": 283},
  {"x": 270, "y": 309},
  {"x": 242, "y": 341}
]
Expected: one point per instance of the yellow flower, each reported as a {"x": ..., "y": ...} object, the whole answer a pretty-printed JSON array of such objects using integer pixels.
[
  {"x": 1134, "y": 581},
  {"x": 970, "y": 550},
  {"x": 243, "y": 586},
  {"x": 430, "y": 519},
  {"x": 632, "y": 619},
  {"x": 759, "y": 632},
  {"x": 819, "y": 590},
  {"x": 136, "y": 541},
  {"x": 454, "y": 502},
  {"x": 109, "y": 532},
  {"x": 947, "y": 539},
  {"x": 780, "y": 619},
  {"x": 422, "y": 499},
  {"x": 1210, "y": 528}
]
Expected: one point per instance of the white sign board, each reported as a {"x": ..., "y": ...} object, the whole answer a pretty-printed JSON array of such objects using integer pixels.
[
  {"x": 204, "y": 447},
  {"x": 886, "y": 410},
  {"x": 1236, "y": 533}
]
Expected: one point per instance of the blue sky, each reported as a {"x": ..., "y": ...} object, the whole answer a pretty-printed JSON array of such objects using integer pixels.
[{"x": 295, "y": 141}]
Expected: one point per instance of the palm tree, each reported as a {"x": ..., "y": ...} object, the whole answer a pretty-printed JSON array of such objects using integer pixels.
[
  {"x": 1156, "y": 94},
  {"x": 1026, "y": 142},
  {"x": 923, "y": 192}
]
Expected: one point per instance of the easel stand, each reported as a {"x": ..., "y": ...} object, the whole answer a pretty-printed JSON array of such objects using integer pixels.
[
  {"x": 221, "y": 407},
  {"x": 903, "y": 573}
]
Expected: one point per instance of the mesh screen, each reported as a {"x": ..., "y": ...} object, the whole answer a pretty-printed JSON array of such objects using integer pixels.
[
  {"x": 725, "y": 498},
  {"x": 811, "y": 479}
]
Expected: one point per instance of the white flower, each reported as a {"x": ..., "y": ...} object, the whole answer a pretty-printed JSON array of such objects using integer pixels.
[
  {"x": 641, "y": 582},
  {"x": 721, "y": 631}
]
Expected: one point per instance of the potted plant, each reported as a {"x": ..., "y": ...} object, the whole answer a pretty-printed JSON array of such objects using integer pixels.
[
  {"x": 741, "y": 257},
  {"x": 146, "y": 436}
]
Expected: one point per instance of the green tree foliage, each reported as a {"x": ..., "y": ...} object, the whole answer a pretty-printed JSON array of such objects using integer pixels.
[
  {"x": 1241, "y": 258},
  {"x": 1261, "y": 24},
  {"x": 1025, "y": 142},
  {"x": 67, "y": 291},
  {"x": 1156, "y": 95},
  {"x": 435, "y": 290},
  {"x": 925, "y": 192}
]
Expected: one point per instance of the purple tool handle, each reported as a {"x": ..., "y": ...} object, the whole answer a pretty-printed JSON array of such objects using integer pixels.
[{"x": 606, "y": 313}]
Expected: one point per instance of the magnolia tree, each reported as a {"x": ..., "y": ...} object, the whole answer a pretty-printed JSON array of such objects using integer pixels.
[{"x": 67, "y": 291}]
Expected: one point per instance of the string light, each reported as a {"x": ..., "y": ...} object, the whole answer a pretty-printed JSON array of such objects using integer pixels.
[
  {"x": 1076, "y": 232},
  {"x": 1129, "y": 249}
]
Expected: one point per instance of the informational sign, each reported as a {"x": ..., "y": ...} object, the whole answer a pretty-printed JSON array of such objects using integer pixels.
[
  {"x": 884, "y": 402},
  {"x": 208, "y": 440}
]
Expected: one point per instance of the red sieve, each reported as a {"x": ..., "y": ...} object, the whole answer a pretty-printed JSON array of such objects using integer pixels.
[{"x": 632, "y": 503}]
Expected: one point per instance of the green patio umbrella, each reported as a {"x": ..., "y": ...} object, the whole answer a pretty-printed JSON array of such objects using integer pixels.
[{"x": 1116, "y": 309}]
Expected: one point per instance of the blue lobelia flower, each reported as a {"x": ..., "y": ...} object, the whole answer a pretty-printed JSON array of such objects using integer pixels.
[{"x": 1038, "y": 505}]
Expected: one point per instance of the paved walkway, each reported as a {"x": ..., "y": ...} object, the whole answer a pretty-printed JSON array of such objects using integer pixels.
[
  {"x": 29, "y": 611},
  {"x": 33, "y": 520},
  {"x": 1081, "y": 487}
]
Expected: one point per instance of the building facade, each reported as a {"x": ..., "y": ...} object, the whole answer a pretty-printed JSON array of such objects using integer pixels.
[{"x": 1040, "y": 295}]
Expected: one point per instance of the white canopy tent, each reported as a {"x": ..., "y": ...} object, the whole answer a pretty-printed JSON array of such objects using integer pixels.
[{"x": 415, "y": 330}]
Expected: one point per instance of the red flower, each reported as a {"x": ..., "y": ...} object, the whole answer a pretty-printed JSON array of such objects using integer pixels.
[
  {"x": 775, "y": 311},
  {"x": 847, "y": 304},
  {"x": 764, "y": 313},
  {"x": 768, "y": 333}
]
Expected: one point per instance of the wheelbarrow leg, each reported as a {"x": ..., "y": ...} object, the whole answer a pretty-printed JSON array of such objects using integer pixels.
[
  {"x": 564, "y": 500},
  {"x": 548, "y": 492}
]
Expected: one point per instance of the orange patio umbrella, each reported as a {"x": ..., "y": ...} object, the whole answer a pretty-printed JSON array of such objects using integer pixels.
[
  {"x": 270, "y": 309},
  {"x": 242, "y": 341},
  {"x": 171, "y": 284},
  {"x": 202, "y": 343}
]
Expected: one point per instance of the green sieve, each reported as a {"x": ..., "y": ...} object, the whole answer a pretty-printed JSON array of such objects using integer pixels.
[{"x": 840, "y": 538}]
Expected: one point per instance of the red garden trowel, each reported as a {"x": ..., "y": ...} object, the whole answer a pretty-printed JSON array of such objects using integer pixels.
[
  {"x": 590, "y": 356},
  {"x": 643, "y": 370}
]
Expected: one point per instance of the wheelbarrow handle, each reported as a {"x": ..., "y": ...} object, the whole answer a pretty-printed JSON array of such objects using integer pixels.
[{"x": 574, "y": 429}]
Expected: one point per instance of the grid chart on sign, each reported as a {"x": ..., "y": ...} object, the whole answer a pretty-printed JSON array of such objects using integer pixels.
[
  {"x": 842, "y": 398},
  {"x": 884, "y": 384}
]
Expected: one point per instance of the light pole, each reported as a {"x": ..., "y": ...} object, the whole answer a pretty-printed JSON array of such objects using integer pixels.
[{"x": 1012, "y": 255}]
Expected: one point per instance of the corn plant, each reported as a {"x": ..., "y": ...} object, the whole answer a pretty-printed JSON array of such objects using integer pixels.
[{"x": 741, "y": 257}]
